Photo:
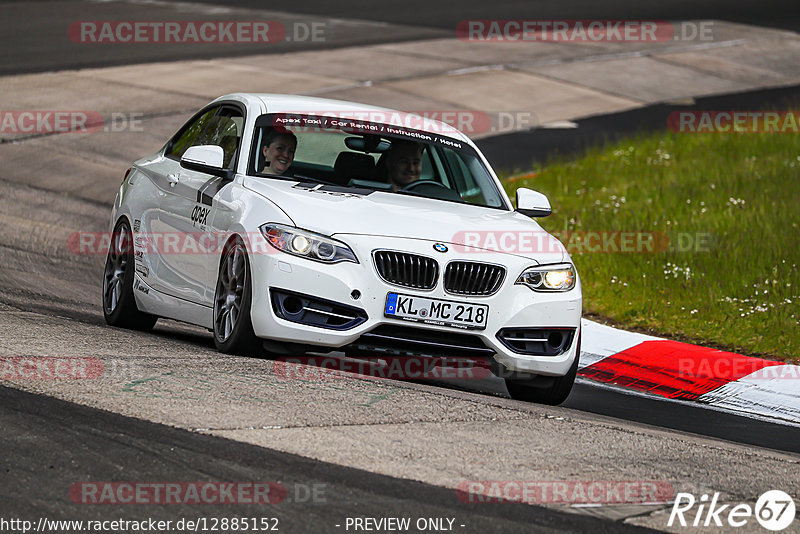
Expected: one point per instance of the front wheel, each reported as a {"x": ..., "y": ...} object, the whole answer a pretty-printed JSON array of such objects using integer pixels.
[
  {"x": 233, "y": 327},
  {"x": 553, "y": 393},
  {"x": 119, "y": 304}
]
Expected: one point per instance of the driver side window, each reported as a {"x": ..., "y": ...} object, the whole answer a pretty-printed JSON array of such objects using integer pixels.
[
  {"x": 189, "y": 135},
  {"x": 221, "y": 126}
]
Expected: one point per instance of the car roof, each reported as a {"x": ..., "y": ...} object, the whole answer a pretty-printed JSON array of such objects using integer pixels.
[{"x": 281, "y": 103}]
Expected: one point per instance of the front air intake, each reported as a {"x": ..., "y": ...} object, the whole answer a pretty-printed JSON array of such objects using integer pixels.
[
  {"x": 537, "y": 341},
  {"x": 314, "y": 311},
  {"x": 395, "y": 340}
]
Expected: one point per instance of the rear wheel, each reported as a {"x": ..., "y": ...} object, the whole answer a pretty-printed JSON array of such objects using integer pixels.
[
  {"x": 119, "y": 304},
  {"x": 233, "y": 327},
  {"x": 553, "y": 392}
]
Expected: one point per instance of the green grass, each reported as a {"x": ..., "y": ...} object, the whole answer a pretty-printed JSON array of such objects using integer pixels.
[{"x": 742, "y": 291}]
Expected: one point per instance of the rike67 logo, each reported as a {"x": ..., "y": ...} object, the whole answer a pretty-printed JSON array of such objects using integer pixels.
[{"x": 774, "y": 510}]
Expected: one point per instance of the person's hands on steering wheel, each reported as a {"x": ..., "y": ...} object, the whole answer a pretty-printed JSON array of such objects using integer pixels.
[
  {"x": 432, "y": 189},
  {"x": 423, "y": 183}
]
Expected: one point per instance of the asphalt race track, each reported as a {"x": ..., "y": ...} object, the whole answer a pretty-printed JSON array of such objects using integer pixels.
[
  {"x": 32, "y": 37},
  {"x": 172, "y": 409},
  {"x": 71, "y": 441}
]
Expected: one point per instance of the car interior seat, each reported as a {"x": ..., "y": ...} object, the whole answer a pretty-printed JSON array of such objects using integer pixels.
[{"x": 354, "y": 166}]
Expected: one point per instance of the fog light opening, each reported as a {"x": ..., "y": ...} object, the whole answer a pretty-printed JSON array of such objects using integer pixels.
[
  {"x": 555, "y": 339},
  {"x": 292, "y": 305}
]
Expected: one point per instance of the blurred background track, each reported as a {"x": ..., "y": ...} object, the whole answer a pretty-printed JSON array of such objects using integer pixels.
[{"x": 33, "y": 34}]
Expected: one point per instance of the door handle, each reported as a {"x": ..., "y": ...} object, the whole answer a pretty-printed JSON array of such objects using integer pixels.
[{"x": 173, "y": 178}]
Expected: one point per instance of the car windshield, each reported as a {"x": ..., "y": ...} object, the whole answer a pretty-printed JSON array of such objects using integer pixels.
[{"x": 351, "y": 153}]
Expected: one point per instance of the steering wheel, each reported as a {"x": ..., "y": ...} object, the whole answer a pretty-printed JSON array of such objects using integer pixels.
[{"x": 432, "y": 189}]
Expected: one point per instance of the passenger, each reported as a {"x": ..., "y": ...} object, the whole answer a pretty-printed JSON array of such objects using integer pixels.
[
  {"x": 403, "y": 163},
  {"x": 278, "y": 150}
]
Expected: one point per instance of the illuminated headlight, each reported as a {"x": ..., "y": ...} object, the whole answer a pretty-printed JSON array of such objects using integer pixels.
[
  {"x": 306, "y": 244},
  {"x": 560, "y": 277},
  {"x": 300, "y": 244}
]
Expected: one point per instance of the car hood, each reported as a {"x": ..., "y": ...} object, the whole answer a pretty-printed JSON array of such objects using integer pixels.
[{"x": 333, "y": 210}]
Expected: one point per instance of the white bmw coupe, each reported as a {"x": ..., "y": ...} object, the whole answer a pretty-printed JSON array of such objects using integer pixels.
[{"x": 300, "y": 225}]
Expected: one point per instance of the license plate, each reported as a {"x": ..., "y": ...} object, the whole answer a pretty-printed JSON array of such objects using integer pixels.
[{"x": 436, "y": 311}]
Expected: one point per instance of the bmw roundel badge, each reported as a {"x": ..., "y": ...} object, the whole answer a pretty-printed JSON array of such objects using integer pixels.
[{"x": 439, "y": 247}]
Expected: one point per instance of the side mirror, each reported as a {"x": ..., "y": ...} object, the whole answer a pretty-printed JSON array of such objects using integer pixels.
[
  {"x": 532, "y": 203},
  {"x": 207, "y": 159}
]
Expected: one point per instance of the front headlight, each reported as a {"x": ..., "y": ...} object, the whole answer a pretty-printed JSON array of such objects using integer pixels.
[
  {"x": 559, "y": 277},
  {"x": 306, "y": 244}
]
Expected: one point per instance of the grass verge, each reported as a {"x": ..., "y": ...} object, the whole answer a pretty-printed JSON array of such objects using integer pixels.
[{"x": 721, "y": 213}]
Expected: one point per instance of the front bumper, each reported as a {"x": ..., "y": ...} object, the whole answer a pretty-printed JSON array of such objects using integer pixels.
[{"x": 513, "y": 306}]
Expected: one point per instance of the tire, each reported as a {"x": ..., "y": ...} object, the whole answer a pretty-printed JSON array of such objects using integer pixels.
[
  {"x": 553, "y": 394},
  {"x": 119, "y": 304},
  {"x": 233, "y": 326}
]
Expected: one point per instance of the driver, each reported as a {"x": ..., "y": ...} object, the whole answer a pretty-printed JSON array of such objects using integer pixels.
[{"x": 403, "y": 163}]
